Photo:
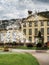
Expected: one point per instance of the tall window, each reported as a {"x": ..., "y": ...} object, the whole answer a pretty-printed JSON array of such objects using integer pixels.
[
  {"x": 47, "y": 30},
  {"x": 36, "y": 31},
  {"x": 42, "y": 31},
  {"x": 24, "y": 25},
  {"x": 30, "y": 24},
  {"x": 47, "y": 23},
  {"x": 30, "y": 31},
  {"x": 24, "y": 31},
  {"x": 36, "y": 23},
  {"x": 30, "y": 39},
  {"x": 42, "y": 23},
  {"x": 48, "y": 38}
]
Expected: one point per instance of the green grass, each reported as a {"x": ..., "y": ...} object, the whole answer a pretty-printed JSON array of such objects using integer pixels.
[{"x": 18, "y": 59}]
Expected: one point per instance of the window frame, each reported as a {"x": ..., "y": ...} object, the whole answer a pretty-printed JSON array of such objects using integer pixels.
[
  {"x": 36, "y": 31},
  {"x": 30, "y": 38},
  {"x": 47, "y": 31},
  {"x": 35, "y": 23},
  {"x": 47, "y": 23},
  {"x": 42, "y": 31},
  {"x": 24, "y": 31},
  {"x": 30, "y": 31},
  {"x": 30, "y": 23}
]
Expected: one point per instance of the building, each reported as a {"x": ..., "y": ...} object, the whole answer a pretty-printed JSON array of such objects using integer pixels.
[
  {"x": 10, "y": 31},
  {"x": 34, "y": 23},
  {"x": 26, "y": 29}
]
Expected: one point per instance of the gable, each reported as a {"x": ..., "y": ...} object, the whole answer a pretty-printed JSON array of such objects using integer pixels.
[{"x": 36, "y": 17}]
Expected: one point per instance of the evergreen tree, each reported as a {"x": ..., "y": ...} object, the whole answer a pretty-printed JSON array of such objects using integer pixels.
[{"x": 39, "y": 34}]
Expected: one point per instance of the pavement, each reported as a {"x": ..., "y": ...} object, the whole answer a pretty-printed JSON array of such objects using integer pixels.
[
  {"x": 41, "y": 55},
  {"x": 43, "y": 58}
]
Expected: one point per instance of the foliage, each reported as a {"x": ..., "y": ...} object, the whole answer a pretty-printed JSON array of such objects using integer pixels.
[
  {"x": 29, "y": 45},
  {"x": 39, "y": 45},
  {"x": 39, "y": 34},
  {"x": 41, "y": 40}
]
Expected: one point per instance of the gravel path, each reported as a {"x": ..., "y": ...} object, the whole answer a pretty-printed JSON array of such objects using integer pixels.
[{"x": 42, "y": 56}]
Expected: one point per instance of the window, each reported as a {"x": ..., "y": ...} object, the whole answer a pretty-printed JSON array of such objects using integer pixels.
[
  {"x": 48, "y": 38},
  {"x": 24, "y": 25},
  {"x": 42, "y": 31},
  {"x": 24, "y": 31},
  {"x": 30, "y": 31},
  {"x": 42, "y": 23},
  {"x": 0, "y": 22},
  {"x": 47, "y": 23},
  {"x": 36, "y": 31},
  {"x": 30, "y": 24},
  {"x": 47, "y": 30},
  {"x": 0, "y": 26},
  {"x": 36, "y": 23},
  {"x": 30, "y": 39}
]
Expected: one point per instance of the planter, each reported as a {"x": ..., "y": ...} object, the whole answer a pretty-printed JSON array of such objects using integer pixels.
[{"x": 6, "y": 48}]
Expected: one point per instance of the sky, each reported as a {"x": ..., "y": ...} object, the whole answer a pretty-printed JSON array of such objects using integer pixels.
[{"x": 13, "y": 9}]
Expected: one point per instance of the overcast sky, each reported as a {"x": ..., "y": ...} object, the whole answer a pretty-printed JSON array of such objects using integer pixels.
[{"x": 18, "y": 8}]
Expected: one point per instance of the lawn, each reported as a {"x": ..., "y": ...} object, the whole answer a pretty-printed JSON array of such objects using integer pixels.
[{"x": 18, "y": 59}]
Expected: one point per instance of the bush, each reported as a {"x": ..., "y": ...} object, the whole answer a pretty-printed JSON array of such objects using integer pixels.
[
  {"x": 1, "y": 44},
  {"x": 14, "y": 43},
  {"x": 21, "y": 44},
  {"x": 39, "y": 45},
  {"x": 29, "y": 45}
]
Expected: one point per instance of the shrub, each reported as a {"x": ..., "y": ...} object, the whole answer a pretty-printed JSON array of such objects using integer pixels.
[
  {"x": 21, "y": 44},
  {"x": 1, "y": 44},
  {"x": 14, "y": 43},
  {"x": 39, "y": 45},
  {"x": 29, "y": 45}
]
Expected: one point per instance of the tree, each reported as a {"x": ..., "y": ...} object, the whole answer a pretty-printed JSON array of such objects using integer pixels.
[
  {"x": 39, "y": 34},
  {"x": 40, "y": 39}
]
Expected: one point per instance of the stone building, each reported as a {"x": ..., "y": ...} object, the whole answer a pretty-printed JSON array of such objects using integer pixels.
[{"x": 34, "y": 23}]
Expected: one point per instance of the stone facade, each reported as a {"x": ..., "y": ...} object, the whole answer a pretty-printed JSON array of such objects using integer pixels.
[{"x": 34, "y": 23}]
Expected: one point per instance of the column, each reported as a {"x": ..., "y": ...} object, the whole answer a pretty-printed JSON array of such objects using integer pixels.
[
  {"x": 33, "y": 33},
  {"x": 38, "y": 25},
  {"x": 45, "y": 31},
  {"x": 27, "y": 30}
]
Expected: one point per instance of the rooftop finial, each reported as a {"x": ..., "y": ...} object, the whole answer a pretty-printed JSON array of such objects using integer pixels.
[{"x": 30, "y": 12}]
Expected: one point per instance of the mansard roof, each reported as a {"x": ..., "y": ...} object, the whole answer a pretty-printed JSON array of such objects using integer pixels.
[{"x": 44, "y": 14}]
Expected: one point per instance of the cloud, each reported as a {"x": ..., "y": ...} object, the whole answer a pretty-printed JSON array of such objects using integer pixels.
[
  {"x": 44, "y": 1},
  {"x": 41, "y": 1},
  {"x": 18, "y": 8}
]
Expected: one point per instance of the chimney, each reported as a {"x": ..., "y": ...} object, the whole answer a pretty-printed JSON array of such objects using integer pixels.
[{"x": 29, "y": 13}]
